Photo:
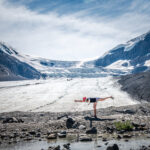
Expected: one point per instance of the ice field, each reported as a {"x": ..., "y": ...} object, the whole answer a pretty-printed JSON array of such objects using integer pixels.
[{"x": 58, "y": 95}]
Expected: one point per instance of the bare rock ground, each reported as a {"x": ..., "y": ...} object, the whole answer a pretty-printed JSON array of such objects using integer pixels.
[{"x": 24, "y": 126}]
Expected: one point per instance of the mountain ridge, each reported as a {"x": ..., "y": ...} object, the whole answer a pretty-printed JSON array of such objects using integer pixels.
[{"x": 128, "y": 58}]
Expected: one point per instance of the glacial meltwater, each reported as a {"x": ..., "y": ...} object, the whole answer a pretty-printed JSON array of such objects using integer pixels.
[{"x": 96, "y": 144}]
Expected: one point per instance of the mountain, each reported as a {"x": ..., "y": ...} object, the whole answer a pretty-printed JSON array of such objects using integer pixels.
[
  {"x": 128, "y": 58},
  {"x": 132, "y": 57},
  {"x": 17, "y": 66},
  {"x": 12, "y": 68}
]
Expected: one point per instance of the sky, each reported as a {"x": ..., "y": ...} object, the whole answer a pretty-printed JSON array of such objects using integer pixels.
[{"x": 71, "y": 29}]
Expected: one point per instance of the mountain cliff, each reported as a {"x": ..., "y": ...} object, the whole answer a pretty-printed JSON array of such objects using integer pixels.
[
  {"x": 13, "y": 69},
  {"x": 134, "y": 55}
]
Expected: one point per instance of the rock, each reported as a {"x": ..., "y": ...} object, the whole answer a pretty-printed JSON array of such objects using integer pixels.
[
  {"x": 127, "y": 136},
  {"x": 75, "y": 125},
  {"x": 92, "y": 131},
  {"x": 24, "y": 129},
  {"x": 85, "y": 139},
  {"x": 69, "y": 123},
  {"x": 104, "y": 139},
  {"x": 67, "y": 146},
  {"x": 114, "y": 147},
  {"x": 32, "y": 132},
  {"x": 121, "y": 131},
  {"x": 118, "y": 136},
  {"x": 82, "y": 127},
  {"x": 12, "y": 120},
  {"x": 38, "y": 135},
  {"x": 100, "y": 135},
  {"x": 106, "y": 143},
  {"x": 20, "y": 121},
  {"x": 28, "y": 139},
  {"x": 129, "y": 111},
  {"x": 110, "y": 129},
  {"x": 62, "y": 116},
  {"x": 51, "y": 136},
  {"x": 3, "y": 135},
  {"x": 54, "y": 147},
  {"x": 144, "y": 148},
  {"x": 57, "y": 148},
  {"x": 62, "y": 134}
]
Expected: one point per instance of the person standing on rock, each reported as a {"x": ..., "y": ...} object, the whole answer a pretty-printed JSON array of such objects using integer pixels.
[{"x": 94, "y": 101}]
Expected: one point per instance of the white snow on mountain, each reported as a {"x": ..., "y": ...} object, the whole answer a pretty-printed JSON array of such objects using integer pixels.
[
  {"x": 121, "y": 64},
  {"x": 147, "y": 63},
  {"x": 128, "y": 45},
  {"x": 58, "y": 95}
]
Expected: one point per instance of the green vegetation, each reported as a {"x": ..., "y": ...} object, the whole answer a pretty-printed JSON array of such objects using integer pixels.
[{"x": 127, "y": 125}]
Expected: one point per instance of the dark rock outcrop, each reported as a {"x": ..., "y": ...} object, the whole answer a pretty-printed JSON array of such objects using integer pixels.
[{"x": 137, "y": 85}]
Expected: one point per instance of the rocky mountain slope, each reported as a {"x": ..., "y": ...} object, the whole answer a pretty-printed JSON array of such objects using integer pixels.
[
  {"x": 137, "y": 85},
  {"x": 134, "y": 56},
  {"x": 13, "y": 69}
]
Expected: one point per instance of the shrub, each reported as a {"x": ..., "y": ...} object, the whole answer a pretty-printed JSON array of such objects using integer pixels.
[{"x": 127, "y": 125}]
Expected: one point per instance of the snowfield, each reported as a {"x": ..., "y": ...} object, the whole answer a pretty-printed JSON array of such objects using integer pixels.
[{"x": 58, "y": 95}]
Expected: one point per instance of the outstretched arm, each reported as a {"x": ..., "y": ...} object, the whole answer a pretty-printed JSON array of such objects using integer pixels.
[
  {"x": 102, "y": 99},
  {"x": 78, "y": 100}
]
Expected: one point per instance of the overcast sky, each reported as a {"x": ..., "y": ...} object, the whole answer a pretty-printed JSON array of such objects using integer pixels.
[{"x": 71, "y": 29}]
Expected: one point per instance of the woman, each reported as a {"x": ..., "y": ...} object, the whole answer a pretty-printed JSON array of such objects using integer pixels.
[{"x": 94, "y": 101}]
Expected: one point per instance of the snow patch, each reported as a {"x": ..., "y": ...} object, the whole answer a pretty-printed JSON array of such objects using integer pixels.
[
  {"x": 120, "y": 65},
  {"x": 147, "y": 63}
]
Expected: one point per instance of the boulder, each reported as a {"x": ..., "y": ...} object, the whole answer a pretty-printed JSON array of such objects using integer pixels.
[
  {"x": 69, "y": 123},
  {"x": 82, "y": 127},
  {"x": 32, "y": 132},
  {"x": 52, "y": 136},
  {"x": 12, "y": 120},
  {"x": 85, "y": 139},
  {"x": 144, "y": 148},
  {"x": 92, "y": 131},
  {"x": 62, "y": 134},
  {"x": 110, "y": 129},
  {"x": 114, "y": 147},
  {"x": 54, "y": 147},
  {"x": 127, "y": 136},
  {"x": 67, "y": 146},
  {"x": 119, "y": 137}
]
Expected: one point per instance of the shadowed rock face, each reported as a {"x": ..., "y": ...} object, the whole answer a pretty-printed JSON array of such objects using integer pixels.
[
  {"x": 137, "y": 55},
  {"x": 13, "y": 69},
  {"x": 137, "y": 85}
]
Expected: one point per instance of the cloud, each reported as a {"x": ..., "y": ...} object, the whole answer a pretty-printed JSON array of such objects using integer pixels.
[{"x": 71, "y": 36}]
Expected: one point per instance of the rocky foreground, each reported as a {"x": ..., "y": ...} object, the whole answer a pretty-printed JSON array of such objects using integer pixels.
[{"x": 26, "y": 126}]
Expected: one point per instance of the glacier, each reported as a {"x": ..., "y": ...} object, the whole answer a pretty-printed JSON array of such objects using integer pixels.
[{"x": 58, "y": 95}]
